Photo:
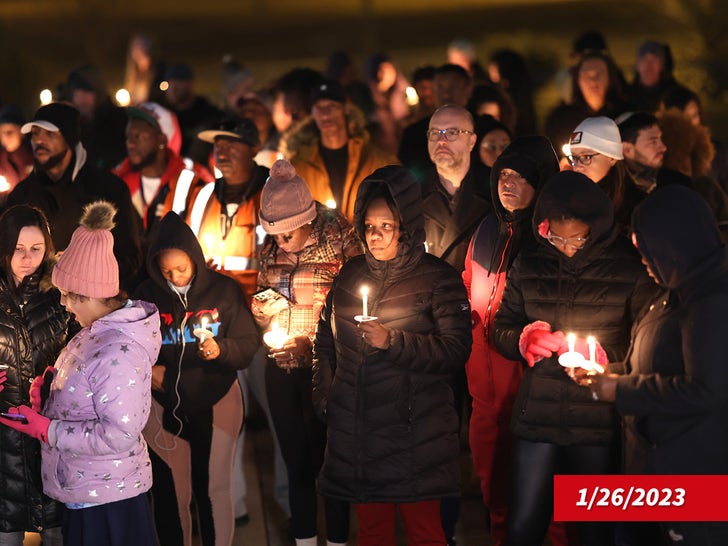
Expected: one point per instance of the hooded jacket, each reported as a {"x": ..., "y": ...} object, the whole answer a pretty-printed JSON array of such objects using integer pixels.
[
  {"x": 303, "y": 145},
  {"x": 492, "y": 250},
  {"x": 62, "y": 202},
  {"x": 189, "y": 381},
  {"x": 392, "y": 425},
  {"x": 99, "y": 403},
  {"x": 33, "y": 331},
  {"x": 674, "y": 396},
  {"x": 599, "y": 291}
]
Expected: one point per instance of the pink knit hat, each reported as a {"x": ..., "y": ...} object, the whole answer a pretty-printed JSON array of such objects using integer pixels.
[
  {"x": 285, "y": 202},
  {"x": 88, "y": 267}
]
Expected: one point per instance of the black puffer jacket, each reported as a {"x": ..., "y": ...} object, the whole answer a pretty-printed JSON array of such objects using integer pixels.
[
  {"x": 674, "y": 397},
  {"x": 33, "y": 331},
  {"x": 599, "y": 291},
  {"x": 392, "y": 426}
]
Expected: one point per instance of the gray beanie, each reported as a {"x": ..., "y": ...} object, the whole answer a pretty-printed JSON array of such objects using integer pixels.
[{"x": 285, "y": 202}]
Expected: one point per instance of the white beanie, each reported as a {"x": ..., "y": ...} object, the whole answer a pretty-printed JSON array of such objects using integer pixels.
[{"x": 600, "y": 134}]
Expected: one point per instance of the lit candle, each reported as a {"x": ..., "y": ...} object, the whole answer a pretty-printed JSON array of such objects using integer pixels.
[
  {"x": 202, "y": 333},
  {"x": 364, "y": 301},
  {"x": 592, "y": 350},
  {"x": 571, "y": 359},
  {"x": 276, "y": 337}
]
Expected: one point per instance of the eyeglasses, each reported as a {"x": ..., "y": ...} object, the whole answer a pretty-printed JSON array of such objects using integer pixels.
[
  {"x": 584, "y": 159},
  {"x": 451, "y": 134},
  {"x": 574, "y": 242},
  {"x": 491, "y": 147}
]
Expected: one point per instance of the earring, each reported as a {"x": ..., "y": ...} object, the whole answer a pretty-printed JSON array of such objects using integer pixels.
[{"x": 161, "y": 146}]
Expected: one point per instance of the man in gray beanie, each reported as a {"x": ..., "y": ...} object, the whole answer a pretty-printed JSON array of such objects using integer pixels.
[{"x": 63, "y": 182}]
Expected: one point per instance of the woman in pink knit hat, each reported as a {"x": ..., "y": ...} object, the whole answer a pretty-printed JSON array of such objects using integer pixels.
[{"x": 94, "y": 458}]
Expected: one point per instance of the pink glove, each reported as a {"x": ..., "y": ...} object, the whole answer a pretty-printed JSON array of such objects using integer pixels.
[
  {"x": 3, "y": 378},
  {"x": 37, "y": 425},
  {"x": 36, "y": 400},
  {"x": 581, "y": 346},
  {"x": 538, "y": 342}
]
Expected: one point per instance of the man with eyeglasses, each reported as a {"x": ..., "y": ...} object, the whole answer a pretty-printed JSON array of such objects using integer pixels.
[
  {"x": 451, "y": 84},
  {"x": 455, "y": 191},
  {"x": 455, "y": 198}
]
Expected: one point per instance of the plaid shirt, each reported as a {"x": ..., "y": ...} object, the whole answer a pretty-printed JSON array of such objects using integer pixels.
[{"x": 305, "y": 277}]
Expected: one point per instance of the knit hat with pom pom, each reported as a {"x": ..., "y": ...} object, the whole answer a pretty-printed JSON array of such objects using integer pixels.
[
  {"x": 88, "y": 267},
  {"x": 285, "y": 202}
]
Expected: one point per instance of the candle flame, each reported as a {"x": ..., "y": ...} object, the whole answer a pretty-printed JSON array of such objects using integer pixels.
[{"x": 364, "y": 290}]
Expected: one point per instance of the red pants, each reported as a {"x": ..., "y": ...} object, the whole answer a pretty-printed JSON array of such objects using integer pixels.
[{"x": 421, "y": 523}]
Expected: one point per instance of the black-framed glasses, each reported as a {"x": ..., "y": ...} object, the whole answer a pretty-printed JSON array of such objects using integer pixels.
[
  {"x": 584, "y": 159},
  {"x": 574, "y": 242},
  {"x": 451, "y": 134}
]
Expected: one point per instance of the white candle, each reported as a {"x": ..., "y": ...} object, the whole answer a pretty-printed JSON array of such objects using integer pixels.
[
  {"x": 364, "y": 301},
  {"x": 571, "y": 340},
  {"x": 203, "y": 323},
  {"x": 592, "y": 350}
]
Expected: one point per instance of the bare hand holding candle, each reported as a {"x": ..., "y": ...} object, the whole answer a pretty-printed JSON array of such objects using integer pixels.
[{"x": 364, "y": 317}]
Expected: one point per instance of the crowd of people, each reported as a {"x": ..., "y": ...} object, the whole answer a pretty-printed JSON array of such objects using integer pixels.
[{"x": 374, "y": 272}]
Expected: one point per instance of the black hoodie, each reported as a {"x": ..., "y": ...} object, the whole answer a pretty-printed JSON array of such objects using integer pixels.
[
  {"x": 674, "y": 400},
  {"x": 211, "y": 296},
  {"x": 599, "y": 291},
  {"x": 392, "y": 425}
]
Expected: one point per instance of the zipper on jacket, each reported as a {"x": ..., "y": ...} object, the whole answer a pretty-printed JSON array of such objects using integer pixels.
[{"x": 489, "y": 309}]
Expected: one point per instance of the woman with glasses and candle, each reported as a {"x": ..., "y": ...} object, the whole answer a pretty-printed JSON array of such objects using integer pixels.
[
  {"x": 384, "y": 384},
  {"x": 580, "y": 276},
  {"x": 516, "y": 179},
  {"x": 595, "y": 150}
]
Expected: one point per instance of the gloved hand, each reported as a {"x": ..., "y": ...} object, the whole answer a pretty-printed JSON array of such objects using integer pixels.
[
  {"x": 3, "y": 378},
  {"x": 581, "y": 346},
  {"x": 36, "y": 387},
  {"x": 538, "y": 342},
  {"x": 37, "y": 425}
]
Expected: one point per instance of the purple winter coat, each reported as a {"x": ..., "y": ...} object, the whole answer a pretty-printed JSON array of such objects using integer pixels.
[{"x": 98, "y": 405}]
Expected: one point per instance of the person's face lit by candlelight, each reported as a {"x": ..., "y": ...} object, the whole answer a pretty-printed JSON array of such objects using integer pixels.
[
  {"x": 381, "y": 227},
  {"x": 294, "y": 241},
  {"x": 176, "y": 267}
]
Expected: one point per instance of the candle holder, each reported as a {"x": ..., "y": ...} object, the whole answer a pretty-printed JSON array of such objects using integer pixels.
[
  {"x": 573, "y": 359},
  {"x": 202, "y": 334},
  {"x": 276, "y": 337},
  {"x": 364, "y": 318}
]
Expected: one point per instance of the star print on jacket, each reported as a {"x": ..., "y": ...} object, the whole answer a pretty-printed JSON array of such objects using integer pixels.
[{"x": 99, "y": 403}]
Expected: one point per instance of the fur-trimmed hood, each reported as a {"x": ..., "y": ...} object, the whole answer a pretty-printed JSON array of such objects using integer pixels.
[{"x": 305, "y": 134}]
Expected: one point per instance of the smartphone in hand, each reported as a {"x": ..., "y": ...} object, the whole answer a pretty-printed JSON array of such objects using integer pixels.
[{"x": 15, "y": 417}]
